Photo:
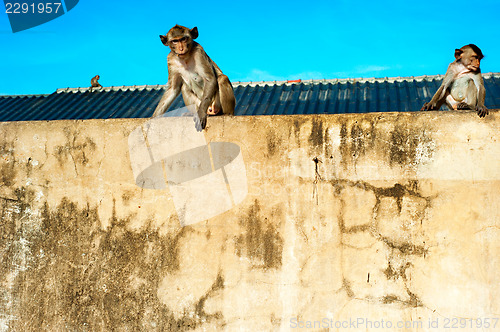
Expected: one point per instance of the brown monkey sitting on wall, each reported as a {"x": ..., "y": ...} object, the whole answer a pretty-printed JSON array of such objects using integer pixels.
[
  {"x": 463, "y": 86},
  {"x": 192, "y": 72}
]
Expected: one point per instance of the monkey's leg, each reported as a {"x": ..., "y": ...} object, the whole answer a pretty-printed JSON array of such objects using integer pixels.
[
  {"x": 451, "y": 102},
  {"x": 215, "y": 108},
  {"x": 463, "y": 106},
  {"x": 470, "y": 100},
  {"x": 471, "y": 95},
  {"x": 227, "y": 100},
  {"x": 482, "y": 111}
]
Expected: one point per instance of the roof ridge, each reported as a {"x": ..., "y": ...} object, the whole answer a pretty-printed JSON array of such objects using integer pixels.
[
  {"x": 27, "y": 95},
  {"x": 283, "y": 82},
  {"x": 360, "y": 80},
  {"x": 113, "y": 88},
  {"x": 256, "y": 83}
]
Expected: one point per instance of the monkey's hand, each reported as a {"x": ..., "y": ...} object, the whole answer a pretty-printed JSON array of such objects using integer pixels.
[
  {"x": 428, "y": 107},
  {"x": 200, "y": 119},
  {"x": 482, "y": 111}
]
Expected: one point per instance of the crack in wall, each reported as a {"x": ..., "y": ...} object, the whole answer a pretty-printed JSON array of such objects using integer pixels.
[
  {"x": 75, "y": 149},
  {"x": 401, "y": 250}
]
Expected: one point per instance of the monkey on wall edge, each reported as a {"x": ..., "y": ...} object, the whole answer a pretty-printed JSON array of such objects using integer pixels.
[
  {"x": 192, "y": 72},
  {"x": 462, "y": 87}
]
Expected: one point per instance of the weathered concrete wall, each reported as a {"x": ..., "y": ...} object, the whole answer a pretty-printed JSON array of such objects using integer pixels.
[{"x": 349, "y": 219}]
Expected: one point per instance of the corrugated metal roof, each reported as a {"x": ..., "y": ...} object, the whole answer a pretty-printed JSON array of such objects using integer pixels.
[
  {"x": 10, "y": 106},
  {"x": 401, "y": 94}
]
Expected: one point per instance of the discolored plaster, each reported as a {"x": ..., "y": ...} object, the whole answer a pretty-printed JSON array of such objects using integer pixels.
[
  {"x": 7, "y": 164},
  {"x": 408, "y": 144},
  {"x": 357, "y": 136},
  {"x": 316, "y": 138},
  {"x": 273, "y": 142},
  {"x": 93, "y": 278},
  {"x": 261, "y": 240},
  {"x": 76, "y": 147}
]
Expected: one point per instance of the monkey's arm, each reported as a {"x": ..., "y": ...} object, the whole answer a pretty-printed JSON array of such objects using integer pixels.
[
  {"x": 440, "y": 96},
  {"x": 173, "y": 90},
  {"x": 437, "y": 100},
  {"x": 482, "y": 111},
  {"x": 210, "y": 86}
]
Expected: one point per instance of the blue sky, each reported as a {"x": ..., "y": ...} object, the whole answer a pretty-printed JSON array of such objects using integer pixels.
[{"x": 249, "y": 40}]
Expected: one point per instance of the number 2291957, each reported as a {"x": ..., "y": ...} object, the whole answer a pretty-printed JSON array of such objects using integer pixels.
[{"x": 32, "y": 8}]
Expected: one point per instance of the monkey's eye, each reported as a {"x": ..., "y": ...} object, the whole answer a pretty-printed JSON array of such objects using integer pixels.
[{"x": 183, "y": 39}]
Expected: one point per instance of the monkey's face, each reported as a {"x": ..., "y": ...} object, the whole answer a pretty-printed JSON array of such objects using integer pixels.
[
  {"x": 180, "y": 39},
  {"x": 180, "y": 45},
  {"x": 471, "y": 58}
]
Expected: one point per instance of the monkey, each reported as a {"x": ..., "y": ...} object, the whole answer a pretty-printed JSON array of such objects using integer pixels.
[
  {"x": 192, "y": 72},
  {"x": 463, "y": 86},
  {"x": 94, "y": 83}
]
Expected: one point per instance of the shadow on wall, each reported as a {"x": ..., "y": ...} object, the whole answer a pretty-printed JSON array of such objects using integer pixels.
[{"x": 169, "y": 151}]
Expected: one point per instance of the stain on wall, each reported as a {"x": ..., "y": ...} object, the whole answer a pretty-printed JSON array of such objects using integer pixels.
[
  {"x": 7, "y": 162},
  {"x": 409, "y": 145},
  {"x": 67, "y": 267},
  {"x": 261, "y": 241},
  {"x": 316, "y": 138},
  {"x": 356, "y": 137},
  {"x": 77, "y": 148}
]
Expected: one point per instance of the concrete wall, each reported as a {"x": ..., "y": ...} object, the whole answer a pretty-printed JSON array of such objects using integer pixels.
[{"x": 388, "y": 219}]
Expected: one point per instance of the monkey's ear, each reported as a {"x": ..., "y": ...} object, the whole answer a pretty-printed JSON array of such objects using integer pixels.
[
  {"x": 164, "y": 40},
  {"x": 458, "y": 53},
  {"x": 194, "y": 32}
]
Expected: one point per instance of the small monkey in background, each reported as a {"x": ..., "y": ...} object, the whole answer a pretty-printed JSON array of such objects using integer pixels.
[
  {"x": 192, "y": 72},
  {"x": 463, "y": 86},
  {"x": 94, "y": 82}
]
